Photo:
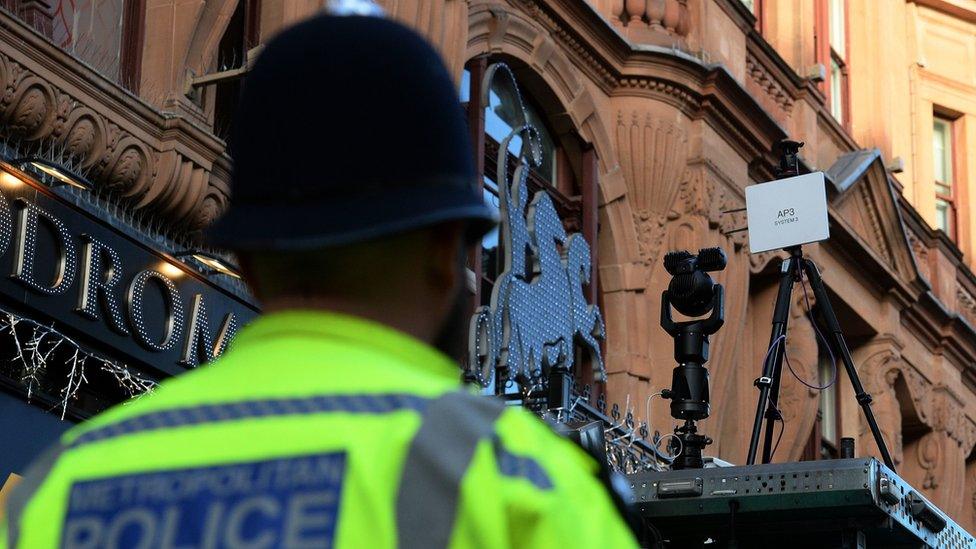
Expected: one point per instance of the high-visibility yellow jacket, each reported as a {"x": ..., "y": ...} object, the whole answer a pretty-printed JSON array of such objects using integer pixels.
[{"x": 314, "y": 430}]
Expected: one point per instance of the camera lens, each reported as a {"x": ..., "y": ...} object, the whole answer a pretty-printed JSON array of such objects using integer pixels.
[{"x": 691, "y": 293}]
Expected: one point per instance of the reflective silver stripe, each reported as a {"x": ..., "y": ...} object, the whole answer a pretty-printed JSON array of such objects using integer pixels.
[
  {"x": 223, "y": 412},
  {"x": 25, "y": 490},
  {"x": 438, "y": 458}
]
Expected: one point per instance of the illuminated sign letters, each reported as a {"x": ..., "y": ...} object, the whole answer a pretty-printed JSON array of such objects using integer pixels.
[
  {"x": 100, "y": 275},
  {"x": 29, "y": 218},
  {"x": 78, "y": 271}
]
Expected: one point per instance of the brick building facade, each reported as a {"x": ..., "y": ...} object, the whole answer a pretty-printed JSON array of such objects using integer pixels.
[{"x": 658, "y": 114}]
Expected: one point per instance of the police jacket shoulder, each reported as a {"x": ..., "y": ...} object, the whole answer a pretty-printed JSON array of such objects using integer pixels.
[{"x": 332, "y": 431}]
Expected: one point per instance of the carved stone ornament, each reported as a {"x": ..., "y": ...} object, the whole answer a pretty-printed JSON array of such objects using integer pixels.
[
  {"x": 880, "y": 367},
  {"x": 538, "y": 311},
  {"x": 652, "y": 156},
  {"x": 151, "y": 164}
]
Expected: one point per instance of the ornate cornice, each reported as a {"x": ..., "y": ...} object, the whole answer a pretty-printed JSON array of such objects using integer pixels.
[
  {"x": 151, "y": 160},
  {"x": 768, "y": 84},
  {"x": 699, "y": 89}
]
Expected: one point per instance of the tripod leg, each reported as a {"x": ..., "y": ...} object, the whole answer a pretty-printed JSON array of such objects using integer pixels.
[
  {"x": 772, "y": 408},
  {"x": 863, "y": 398},
  {"x": 765, "y": 383}
]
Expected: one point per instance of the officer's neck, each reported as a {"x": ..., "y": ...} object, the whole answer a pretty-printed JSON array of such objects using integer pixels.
[{"x": 405, "y": 319}]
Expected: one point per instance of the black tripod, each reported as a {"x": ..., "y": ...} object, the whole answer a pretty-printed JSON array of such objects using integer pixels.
[{"x": 792, "y": 272}]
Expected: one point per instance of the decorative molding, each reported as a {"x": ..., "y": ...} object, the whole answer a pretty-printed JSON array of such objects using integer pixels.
[
  {"x": 52, "y": 102},
  {"x": 652, "y": 155},
  {"x": 945, "y": 416},
  {"x": 797, "y": 401},
  {"x": 768, "y": 84},
  {"x": 682, "y": 80},
  {"x": 661, "y": 22},
  {"x": 879, "y": 371},
  {"x": 870, "y": 210},
  {"x": 966, "y": 304},
  {"x": 638, "y": 85},
  {"x": 921, "y": 252}
]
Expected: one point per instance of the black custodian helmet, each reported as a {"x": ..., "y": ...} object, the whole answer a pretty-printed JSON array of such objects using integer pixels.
[{"x": 349, "y": 128}]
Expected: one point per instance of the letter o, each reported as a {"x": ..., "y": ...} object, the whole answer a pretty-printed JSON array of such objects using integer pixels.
[
  {"x": 137, "y": 315},
  {"x": 143, "y": 519}
]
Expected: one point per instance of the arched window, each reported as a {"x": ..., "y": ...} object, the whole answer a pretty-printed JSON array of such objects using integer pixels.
[
  {"x": 498, "y": 103},
  {"x": 502, "y": 115},
  {"x": 564, "y": 171}
]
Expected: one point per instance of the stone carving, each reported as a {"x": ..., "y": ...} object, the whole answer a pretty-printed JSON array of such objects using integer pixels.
[
  {"x": 652, "y": 156},
  {"x": 768, "y": 84},
  {"x": 879, "y": 241},
  {"x": 937, "y": 466},
  {"x": 929, "y": 455},
  {"x": 39, "y": 117},
  {"x": 880, "y": 368},
  {"x": 798, "y": 403},
  {"x": 945, "y": 416},
  {"x": 940, "y": 437},
  {"x": 966, "y": 304},
  {"x": 921, "y": 252},
  {"x": 538, "y": 311},
  {"x": 968, "y": 517},
  {"x": 659, "y": 20}
]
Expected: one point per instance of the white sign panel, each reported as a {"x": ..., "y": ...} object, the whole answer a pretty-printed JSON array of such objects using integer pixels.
[{"x": 787, "y": 212}]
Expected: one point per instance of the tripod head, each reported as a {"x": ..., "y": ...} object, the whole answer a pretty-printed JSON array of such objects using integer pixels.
[
  {"x": 692, "y": 292},
  {"x": 789, "y": 160}
]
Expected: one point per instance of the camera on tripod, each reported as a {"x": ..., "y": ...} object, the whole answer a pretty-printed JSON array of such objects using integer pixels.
[{"x": 693, "y": 293}]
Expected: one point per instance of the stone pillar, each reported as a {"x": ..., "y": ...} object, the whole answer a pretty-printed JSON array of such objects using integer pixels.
[
  {"x": 936, "y": 465},
  {"x": 170, "y": 26},
  {"x": 443, "y": 22},
  {"x": 879, "y": 367},
  {"x": 967, "y": 519},
  {"x": 936, "y": 462}
]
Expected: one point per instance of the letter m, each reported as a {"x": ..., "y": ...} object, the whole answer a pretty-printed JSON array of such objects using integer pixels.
[{"x": 200, "y": 345}]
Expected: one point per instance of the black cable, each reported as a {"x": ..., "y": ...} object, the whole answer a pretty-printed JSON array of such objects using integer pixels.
[
  {"x": 779, "y": 416},
  {"x": 816, "y": 330}
]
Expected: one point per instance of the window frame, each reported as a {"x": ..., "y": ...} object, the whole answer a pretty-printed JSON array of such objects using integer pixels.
[
  {"x": 758, "y": 10},
  {"x": 818, "y": 447},
  {"x": 950, "y": 197},
  {"x": 133, "y": 41},
  {"x": 827, "y": 55}
]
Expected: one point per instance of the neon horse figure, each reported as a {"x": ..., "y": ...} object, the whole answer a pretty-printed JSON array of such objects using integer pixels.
[{"x": 538, "y": 312}]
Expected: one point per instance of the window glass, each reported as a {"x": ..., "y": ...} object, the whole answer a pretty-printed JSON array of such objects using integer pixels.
[
  {"x": 942, "y": 150},
  {"x": 836, "y": 91},
  {"x": 465, "y": 86},
  {"x": 91, "y": 30},
  {"x": 490, "y": 262},
  {"x": 503, "y": 114},
  {"x": 943, "y": 215},
  {"x": 751, "y": 4},
  {"x": 837, "y": 26}
]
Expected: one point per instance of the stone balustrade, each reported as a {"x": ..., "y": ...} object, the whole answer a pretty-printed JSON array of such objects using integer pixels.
[{"x": 661, "y": 22}]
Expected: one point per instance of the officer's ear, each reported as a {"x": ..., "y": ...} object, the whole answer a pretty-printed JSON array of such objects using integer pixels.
[{"x": 446, "y": 255}]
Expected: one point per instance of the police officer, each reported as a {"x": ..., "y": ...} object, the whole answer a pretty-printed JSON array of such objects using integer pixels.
[{"x": 336, "y": 419}]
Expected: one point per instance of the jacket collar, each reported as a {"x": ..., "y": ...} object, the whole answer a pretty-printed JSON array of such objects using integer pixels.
[{"x": 350, "y": 330}]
